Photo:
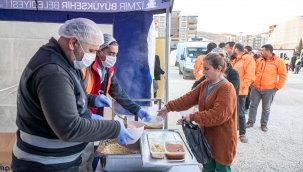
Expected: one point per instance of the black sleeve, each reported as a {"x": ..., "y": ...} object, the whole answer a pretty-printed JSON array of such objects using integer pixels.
[
  {"x": 117, "y": 93},
  {"x": 233, "y": 77},
  {"x": 157, "y": 66},
  {"x": 55, "y": 91},
  {"x": 91, "y": 100},
  {"x": 158, "y": 69},
  {"x": 198, "y": 82}
]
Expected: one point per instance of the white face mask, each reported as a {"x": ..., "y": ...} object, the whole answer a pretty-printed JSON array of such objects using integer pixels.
[
  {"x": 87, "y": 60},
  {"x": 109, "y": 61}
]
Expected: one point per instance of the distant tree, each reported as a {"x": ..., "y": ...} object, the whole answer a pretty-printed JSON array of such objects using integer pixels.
[{"x": 299, "y": 48}]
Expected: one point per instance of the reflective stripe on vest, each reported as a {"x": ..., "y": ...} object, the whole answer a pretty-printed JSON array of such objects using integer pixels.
[
  {"x": 43, "y": 159},
  {"x": 44, "y": 142}
]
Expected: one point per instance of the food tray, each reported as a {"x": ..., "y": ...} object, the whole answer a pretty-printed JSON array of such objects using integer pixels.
[
  {"x": 173, "y": 153},
  {"x": 151, "y": 136},
  {"x": 126, "y": 162}
]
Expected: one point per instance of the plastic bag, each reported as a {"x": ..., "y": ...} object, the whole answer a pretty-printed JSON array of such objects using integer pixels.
[{"x": 197, "y": 142}]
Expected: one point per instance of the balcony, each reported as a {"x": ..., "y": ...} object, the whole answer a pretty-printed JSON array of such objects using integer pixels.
[
  {"x": 192, "y": 31},
  {"x": 174, "y": 26},
  {"x": 192, "y": 27},
  {"x": 175, "y": 36},
  {"x": 192, "y": 21},
  {"x": 174, "y": 31}
]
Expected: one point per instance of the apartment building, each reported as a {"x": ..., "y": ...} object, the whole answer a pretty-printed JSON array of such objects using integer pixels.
[
  {"x": 271, "y": 29},
  {"x": 183, "y": 27},
  {"x": 287, "y": 35}
]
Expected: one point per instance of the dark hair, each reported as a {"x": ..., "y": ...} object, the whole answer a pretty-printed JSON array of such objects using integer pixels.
[
  {"x": 239, "y": 46},
  {"x": 268, "y": 47},
  {"x": 249, "y": 49},
  {"x": 210, "y": 47},
  {"x": 222, "y": 45},
  {"x": 215, "y": 60},
  {"x": 231, "y": 44}
]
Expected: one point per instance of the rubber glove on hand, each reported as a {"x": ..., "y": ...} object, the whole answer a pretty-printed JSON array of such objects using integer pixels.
[
  {"x": 102, "y": 101},
  {"x": 97, "y": 117},
  {"x": 143, "y": 114},
  {"x": 123, "y": 135}
]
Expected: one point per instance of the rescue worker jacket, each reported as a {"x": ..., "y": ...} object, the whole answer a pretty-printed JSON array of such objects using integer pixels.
[
  {"x": 199, "y": 67},
  {"x": 245, "y": 65},
  {"x": 270, "y": 74}
]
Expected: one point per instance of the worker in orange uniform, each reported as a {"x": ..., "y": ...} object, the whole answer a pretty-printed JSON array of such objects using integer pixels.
[
  {"x": 270, "y": 77},
  {"x": 198, "y": 69},
  {"x": 244, "y": 63}
]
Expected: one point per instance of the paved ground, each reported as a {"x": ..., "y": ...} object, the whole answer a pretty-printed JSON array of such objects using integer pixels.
[{"x": 279, "y": 149}]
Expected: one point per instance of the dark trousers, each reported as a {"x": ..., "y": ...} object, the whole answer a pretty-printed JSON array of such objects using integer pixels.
[
  {"x": 293, "y": 67},
  {"x": 287, "y": 67},
  {"x": 297, "y": 69},
  {"x": 247, "y": 102},
  {"x": 242, "y": 120}
]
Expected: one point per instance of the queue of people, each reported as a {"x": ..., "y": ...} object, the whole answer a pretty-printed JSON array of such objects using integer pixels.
[{"x": 221, "y": 98}]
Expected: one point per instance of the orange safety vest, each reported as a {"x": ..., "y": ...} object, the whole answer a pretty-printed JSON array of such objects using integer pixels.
[{"x": 92, "y": 81}]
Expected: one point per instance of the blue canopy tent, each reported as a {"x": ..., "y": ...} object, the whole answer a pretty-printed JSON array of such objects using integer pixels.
[{"x": 131, "y": 20}]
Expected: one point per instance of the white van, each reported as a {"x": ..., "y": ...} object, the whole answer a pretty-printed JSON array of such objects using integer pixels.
[{"x": 189, "y": 51}]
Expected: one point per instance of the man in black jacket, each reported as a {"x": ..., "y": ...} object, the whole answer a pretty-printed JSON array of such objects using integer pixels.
[
  {"x": 157, "y": 75},
  {"x": 293, "y": 62},
  {"x": 54, "y": 124}
]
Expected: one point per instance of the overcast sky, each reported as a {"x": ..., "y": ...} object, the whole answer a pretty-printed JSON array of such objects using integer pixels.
[{"x": 234, "y": 16}]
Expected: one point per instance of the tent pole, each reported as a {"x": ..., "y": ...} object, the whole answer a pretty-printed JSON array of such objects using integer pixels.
[{"x": 167, "y": 55}]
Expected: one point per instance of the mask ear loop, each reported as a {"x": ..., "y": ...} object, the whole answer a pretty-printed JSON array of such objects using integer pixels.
[{"x": 104, "y": 55}]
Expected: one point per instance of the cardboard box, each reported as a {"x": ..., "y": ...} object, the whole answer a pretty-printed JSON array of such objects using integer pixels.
[{"x": 7, "y": 141}]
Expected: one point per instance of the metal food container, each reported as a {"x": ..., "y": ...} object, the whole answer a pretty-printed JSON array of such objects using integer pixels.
[
  {"x": 128, "y": 162},
  {"x": 142, "y": 160}
]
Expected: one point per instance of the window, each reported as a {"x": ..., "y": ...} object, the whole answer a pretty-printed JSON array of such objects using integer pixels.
[
  {"x": 193, "y": 18},
  {"x": 162, "y": 30},
  {"x": 183, "y": 24},
  {"x": 162, "y": 35},
  {"x": 192, "y": 30},
  {"x": 183, "y": 30},
  {"x": 174, "y": 43},
  {"x": 162, "y": 18},
  {"x": 183, "y": 36},
  {"x": 192, "y": 24},
  {"x": 191, "y": 35},
  {"x": 162, "y": 24},
  {"x": 156, "y": 18},
  {"x": 156, "y": 23},
  {"x": 195, "y": 52},
  {"x": 184, "y": 18}
]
